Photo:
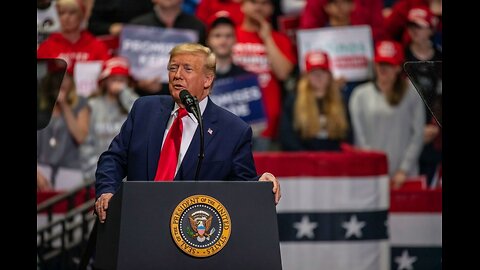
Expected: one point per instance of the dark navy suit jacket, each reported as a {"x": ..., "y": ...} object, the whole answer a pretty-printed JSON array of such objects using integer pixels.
[{"x": 135, "y": 151}]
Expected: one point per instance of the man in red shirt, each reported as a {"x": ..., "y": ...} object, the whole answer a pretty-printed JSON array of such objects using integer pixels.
[{"x": 270, "y": 55}]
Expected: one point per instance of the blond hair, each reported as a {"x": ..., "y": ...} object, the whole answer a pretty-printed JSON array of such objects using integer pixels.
[
  {"x": 78, "y": 4},
  {"x": 307, "y": 112},
  {"x": 72, "y": 97},
  {"x": 195, "y": 48}
]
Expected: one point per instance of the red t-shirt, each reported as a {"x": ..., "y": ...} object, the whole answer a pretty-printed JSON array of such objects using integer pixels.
[
  {"x": 85, "y": 49},
  {"x": 249, "y": 52}
]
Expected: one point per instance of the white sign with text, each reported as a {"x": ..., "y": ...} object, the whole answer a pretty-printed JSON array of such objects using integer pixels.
[{"x": 350, "y": 49}]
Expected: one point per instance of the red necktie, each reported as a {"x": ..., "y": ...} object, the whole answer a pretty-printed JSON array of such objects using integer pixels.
[{"x": 167, "y": 163}]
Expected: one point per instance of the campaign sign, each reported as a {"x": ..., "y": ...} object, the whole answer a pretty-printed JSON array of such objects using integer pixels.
[
  {"x": 350, "y": 49},
  {"x": 242, "y": 96},
  {"x": 147, "y": 48},
  {"x": 85, "y": 75}
]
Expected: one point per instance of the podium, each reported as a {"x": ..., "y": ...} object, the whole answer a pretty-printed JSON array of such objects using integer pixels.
[{"x": 226, "y": 225}]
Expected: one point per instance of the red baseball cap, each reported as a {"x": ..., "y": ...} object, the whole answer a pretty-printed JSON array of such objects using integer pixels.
[
  {"x": 316, "y": 59},
  {"x": 422, "y": 16},
  {"x": 388, "y": 51},
  {"x": 219, "y": 17},
  {"x": 115, "y": 66}
]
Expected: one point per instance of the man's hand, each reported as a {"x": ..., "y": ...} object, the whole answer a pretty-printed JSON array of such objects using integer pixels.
[
  {"x": 101, "y": 206},
  {"x": 276, "y": 185}
]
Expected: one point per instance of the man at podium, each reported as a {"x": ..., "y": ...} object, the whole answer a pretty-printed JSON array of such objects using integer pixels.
[{"x": 160, "y": 140}]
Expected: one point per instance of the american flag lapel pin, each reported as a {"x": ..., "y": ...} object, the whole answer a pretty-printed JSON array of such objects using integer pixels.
[{"x": 210, "y": 131}]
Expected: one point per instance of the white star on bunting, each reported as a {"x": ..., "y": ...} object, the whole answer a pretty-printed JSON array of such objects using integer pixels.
[
  {"x": 353, "y": 227},
  {"x": 305, "y": 227},
  {"x": 405, "y": 261}
]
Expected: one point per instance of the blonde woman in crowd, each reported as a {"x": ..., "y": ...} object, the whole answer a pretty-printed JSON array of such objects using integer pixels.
[{"x": 314, "y": 117}]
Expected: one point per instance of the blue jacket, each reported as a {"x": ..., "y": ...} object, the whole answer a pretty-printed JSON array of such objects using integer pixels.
[{"x": 135, "y": 151}]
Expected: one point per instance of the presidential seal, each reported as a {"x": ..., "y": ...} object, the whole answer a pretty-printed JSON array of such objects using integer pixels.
[{"x": 200, "y": 226}]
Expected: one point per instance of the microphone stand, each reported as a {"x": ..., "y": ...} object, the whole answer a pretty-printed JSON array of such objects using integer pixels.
[{"x": 201, "y": 154}]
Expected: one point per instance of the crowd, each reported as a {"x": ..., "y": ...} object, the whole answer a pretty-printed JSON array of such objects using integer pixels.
[{"x": 307, "y": 106}]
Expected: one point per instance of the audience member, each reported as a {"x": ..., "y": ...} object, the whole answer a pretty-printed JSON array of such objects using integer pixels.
[
  {"x": 271, "y": 56},
  {"x": 388, "y": 115},
  {"x": 396, "y": 22},
  {"x": 221, "y": 39},
  {"x": 59, "y": 142},
  {"x": 316, "y": 14},
  {"x": 314, "y": 116},
  {"x": 72, "y": 43},
  {"x": 169, "y": 14},
  {"x": 109, "y": 109},
  {"x": 420, "y": 27},
  {"x": 109, "y": 16},
  {"x": 339, "y": 13},
  {"x": 166, "y": 14}
]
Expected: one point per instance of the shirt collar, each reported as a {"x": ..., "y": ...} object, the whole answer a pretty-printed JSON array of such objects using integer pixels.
[{"x": 202, "y": 104}]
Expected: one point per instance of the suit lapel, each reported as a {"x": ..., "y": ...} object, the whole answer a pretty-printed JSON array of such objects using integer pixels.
[
  {"x": 189, "y": 162},
  {"x": 209, "y": 123},
  {"x": 157, "y": 130}
]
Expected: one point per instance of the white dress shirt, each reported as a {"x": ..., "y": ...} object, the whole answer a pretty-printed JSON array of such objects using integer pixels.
[{"x": 189, "y": 126}]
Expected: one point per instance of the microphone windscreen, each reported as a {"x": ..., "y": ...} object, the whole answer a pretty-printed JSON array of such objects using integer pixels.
[
  {"x": 187, "y": 100},
  {"x": 184, "y": 94}
]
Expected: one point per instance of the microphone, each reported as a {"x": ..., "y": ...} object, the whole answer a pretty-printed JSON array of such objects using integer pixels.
[
  {"x": 187, "y": 100},
  {"x": 191, "y": 105}
]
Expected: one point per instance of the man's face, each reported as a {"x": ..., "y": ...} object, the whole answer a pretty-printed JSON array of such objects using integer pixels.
[
  {"x": 418, "y": 33},
  {"x": 221, "y": 40},
  {"x": 188, "y": 71},
  {"x": 70, "y": 18}
]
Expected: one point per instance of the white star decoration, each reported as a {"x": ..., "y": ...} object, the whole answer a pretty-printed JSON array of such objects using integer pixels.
[
  {"x": 305, "y": 227},
  {"x": 405, "y": 261},
  {"x": 353, "y": 227}
]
